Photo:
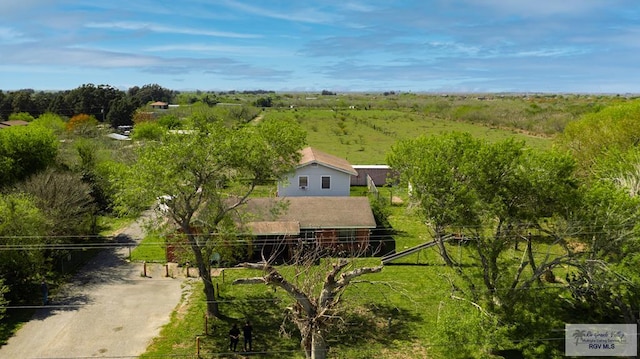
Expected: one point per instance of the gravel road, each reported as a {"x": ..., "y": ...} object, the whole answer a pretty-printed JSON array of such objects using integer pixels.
[{"x": 108, "y": 310}]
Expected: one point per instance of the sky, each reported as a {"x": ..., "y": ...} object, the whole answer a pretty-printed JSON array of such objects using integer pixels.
[{"x": 553, "y": 46}]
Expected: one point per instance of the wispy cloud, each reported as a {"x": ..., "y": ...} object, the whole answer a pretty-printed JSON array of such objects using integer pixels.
[
  {"x": 542, "y": 7},
  {"x": 12, "y": 36},
  {"x": 152, "y": 27},
  {"x": 306, "y": 13}
]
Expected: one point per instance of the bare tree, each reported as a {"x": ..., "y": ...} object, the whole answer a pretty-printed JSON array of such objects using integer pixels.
[{"x": 317, "y": 286}]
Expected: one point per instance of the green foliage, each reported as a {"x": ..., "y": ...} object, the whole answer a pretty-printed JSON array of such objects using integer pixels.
[
  {"x": 148, "y": 131},
  {"x": 4, "y": 290},
  {"x": 25, "y": 150},
  {"x": 436, "y": 168},
  {"x": 21, "y": 222},
  {"x": 263, "y": 102},
  {"x": 204, "y": 175},
  {"x": 21, "y": 116},
  {"x": 51, "y": 121},
  {"x": 606, "y": 221},
  {"x": 242, "y": 113},
  {"x": 149, "y": 93},
  {"x": 611, "y": 129},
  {"x": 91, "y": 99},
  {"x": 495, "y": 194},
  {"x": 466, "y": 332},
  {"x": 121, "y": 112},
  {"x": 170, "y": 122}
]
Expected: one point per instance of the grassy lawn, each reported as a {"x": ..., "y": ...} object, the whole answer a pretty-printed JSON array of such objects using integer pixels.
[
  {"x": 397, "y": 313},
  {"x": 109, "y": 225},
  {"x": 406, "y": 311},
  {"x": 150, "y": 249}
]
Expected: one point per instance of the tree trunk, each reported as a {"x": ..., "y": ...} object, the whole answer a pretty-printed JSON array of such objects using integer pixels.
[
  {"x": 205, "y": 275},
  {"x": 443, "y": 250},
  {"x": 318, "y": 345}
]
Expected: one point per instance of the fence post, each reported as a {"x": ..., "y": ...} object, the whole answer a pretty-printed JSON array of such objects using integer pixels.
[
  {"x": 144, "y": 268},
  {"x": 198, "y": 347},
  {"x": 166, "y": 270}
]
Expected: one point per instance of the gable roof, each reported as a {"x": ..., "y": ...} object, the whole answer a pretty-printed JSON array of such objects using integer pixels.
[
  {"x": 308, "y": 213},
  {"x": 311, "y": 155}
]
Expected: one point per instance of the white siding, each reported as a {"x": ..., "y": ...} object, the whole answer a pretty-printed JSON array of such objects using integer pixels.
[{"x": 340, "y": 182}]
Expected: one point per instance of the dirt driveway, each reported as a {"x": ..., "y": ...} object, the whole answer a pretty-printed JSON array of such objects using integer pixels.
[{"x": 109, "y": 310}]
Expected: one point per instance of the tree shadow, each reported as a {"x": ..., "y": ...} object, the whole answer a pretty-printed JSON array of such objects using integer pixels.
[
  {"x": 272, "y": 337},
  {"x": 276, "y": 337},
  {"x": 382, "y": 324}
]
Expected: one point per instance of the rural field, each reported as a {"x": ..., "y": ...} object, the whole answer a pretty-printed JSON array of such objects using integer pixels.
[
  {"x": 412, "y": 309},
  {"x": 511, "y": 287}
]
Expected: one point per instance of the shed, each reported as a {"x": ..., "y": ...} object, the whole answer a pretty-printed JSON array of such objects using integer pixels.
[{"x": 378, "y": 173}]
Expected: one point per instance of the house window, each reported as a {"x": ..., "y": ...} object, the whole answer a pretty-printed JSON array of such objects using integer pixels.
[
  {"x": 303, "y": 182},
  {"x": 326, "y": 182}
]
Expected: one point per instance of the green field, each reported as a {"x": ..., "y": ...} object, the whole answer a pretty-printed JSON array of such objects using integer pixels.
[{"x": 365, "y": 136}]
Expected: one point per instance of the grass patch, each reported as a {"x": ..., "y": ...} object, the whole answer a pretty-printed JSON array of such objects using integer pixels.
[
  {"x": 150, "y": 249},
  {"x": 108, "y": 225},
  {"x": 393, "y": 316}
]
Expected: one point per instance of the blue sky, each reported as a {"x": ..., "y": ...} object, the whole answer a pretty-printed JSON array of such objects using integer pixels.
[{"x": 586, "y": 46}]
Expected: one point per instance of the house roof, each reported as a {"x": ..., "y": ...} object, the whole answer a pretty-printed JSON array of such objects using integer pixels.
[
  {"x": 6, "y": 124},
  {"x": 159, "y": 103},
  {"x": 284, "y": 228},
  {"x": 308, "y": 213},
  {"x": 311, "y": 155}
]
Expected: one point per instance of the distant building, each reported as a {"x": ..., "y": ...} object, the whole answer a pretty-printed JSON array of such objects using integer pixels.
[
  {"x": 159, "y": 105},
  {"x": 7, "y": 124},
  {"x": 379, "y": 174}
]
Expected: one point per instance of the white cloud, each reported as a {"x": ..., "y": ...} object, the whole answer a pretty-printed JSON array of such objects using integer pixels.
[
  {"x": 146, "y": 26},
  {"x": 11, "y": 36},
  {"x": 541, "y": 7},
  {"x": 307, "y": 14}
]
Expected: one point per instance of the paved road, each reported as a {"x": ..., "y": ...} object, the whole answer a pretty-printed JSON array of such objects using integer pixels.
[{"x": 109, "y": 310}]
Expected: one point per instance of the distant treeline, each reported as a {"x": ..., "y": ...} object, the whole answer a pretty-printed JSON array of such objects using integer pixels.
[{"x": 104, "y": 102}]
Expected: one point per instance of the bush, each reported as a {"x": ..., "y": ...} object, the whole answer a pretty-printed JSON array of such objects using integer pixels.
[
  {"x": 83, "y": 124},
  {"x": 21, "y": 116},
  {"x": 148, "y": 131}
]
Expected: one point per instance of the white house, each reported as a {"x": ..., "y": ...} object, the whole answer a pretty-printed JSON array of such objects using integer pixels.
[{"x": 318, "y": 174}]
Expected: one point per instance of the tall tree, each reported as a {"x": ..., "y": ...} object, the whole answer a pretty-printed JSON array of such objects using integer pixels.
[
  {"x": 93, "y": 100},
  {"x": 433, "y": 167},
  {"x": 316, "y": 288},
  {"x": 494, "y": 194},
  {"x": 150, "y": 92},
  {"x": 121, "y": 112},
  {"x": 205, "y": 175}
]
